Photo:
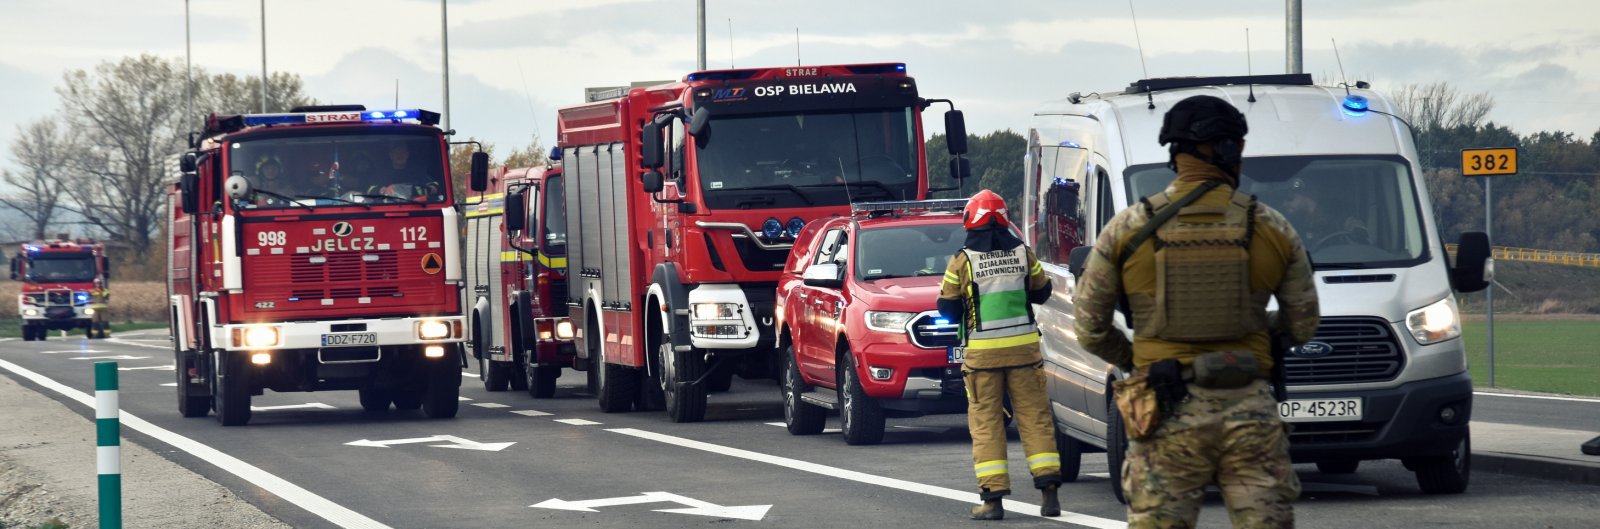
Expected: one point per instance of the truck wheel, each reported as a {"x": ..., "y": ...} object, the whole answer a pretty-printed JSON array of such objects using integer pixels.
[
  {"x": 442, "y": 398},
  {"x": 860, "y": 416},
  {"x": 1116, "y": 446},
  {"x": 408, "y": 399},
  {"x": 1071, "y": 451},
  {"x": 685, "y": 402},
  {"x": 720, "y": 380},
  {"x": 231, "y": 388},
  {"x": 1446, "y": 474},
  {"x": 517, "y": 372},
  {"x": 652, "y": 382},
  {"x": 541, "y": 380},
  {"x": 27, "y": 333},
  {"x": 373, "y": 399},
  {"x": 188, "y": 405},
  {"x": 496, "y": 375},
  {"x": 1342, "y": 466},
  {"x": 615, "y": 385},
  {"x": 799, "y": 417}
]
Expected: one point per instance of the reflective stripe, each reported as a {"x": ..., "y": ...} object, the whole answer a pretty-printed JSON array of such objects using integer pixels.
[
  {"x": 1046, "y": 459},
  {"x": 1001, "y": 343},
  {"x": 952, "y": 278},
  {"x": 1037, "y": 268},
  {"x": 510, "y": 256},
  {"x": 990, "y": 468}
]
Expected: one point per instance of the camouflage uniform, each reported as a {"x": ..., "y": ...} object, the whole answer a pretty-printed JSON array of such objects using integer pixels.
[{"x": 1235, "y": 435}]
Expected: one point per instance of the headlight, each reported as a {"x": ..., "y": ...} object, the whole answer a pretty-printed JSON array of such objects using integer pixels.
[
  {"x": 1435, "y": 323},
  {"x": 80, "y": 298},
  {"x": 30, "y": 312},
  {"x": 432, "y": 330},
  {"x": 716, "y": 311},
  {"x": 88, "y": 311},
  {"x": 564, "y": 330},
  {"x": 888, "y": 321},
  {"x": 261, "y": 337}
]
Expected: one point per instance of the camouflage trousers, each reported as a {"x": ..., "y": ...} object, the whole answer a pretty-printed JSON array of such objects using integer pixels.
[{"x": 1232, "y": 437}]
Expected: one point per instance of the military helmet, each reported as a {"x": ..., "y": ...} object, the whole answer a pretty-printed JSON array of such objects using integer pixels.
[
  {"x": 984, "y": 208},
  {"x": 1202, "y": 119}
]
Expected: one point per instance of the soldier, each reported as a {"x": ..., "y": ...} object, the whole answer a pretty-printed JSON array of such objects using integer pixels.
[
  {"x": 990, "y": 286},
  {"x": 1196, "y": 264}
]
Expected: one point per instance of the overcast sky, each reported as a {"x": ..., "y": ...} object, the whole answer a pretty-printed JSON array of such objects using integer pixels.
[{"x": 512, "y": 62}]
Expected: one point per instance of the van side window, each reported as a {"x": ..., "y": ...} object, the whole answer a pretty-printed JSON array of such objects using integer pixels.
[{"x": 1103, "y": 203}]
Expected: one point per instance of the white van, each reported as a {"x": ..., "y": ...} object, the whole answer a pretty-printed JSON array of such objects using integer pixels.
[{"x": 1386, "y": 376}]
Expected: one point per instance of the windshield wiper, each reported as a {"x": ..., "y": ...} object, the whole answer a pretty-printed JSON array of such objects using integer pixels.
[
  {"x": 786, "y": 187},
  {"x": 402, "y": 200},
  {"x": 335, "y": 199},
  {"x": 875, "y": 277},
  {"x": 285, "y": 198}
]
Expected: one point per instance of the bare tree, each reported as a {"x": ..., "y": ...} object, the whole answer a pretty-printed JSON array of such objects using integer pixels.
[
  {"x": 1439, "y": 106},
  {"x": 461, "y": 163},
  {"x": 533, "y": 155},
  {"x": 227, "y": 93},
  {"x": 43, "y": 151}
]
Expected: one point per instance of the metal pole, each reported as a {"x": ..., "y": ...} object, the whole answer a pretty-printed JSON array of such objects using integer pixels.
[
  {"x": 263, "y": 56},
  {"x": 108, "y": 444},
  {"x": 188, "y": 72},
  {"x": 1488, "y": 229},
  {"x": 700, "y": 34},
  {"x": 1294, "y": 43},
  {"x": 444, "y": 43}
]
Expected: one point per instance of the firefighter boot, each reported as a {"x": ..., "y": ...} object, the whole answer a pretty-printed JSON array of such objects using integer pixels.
[
  {"x": 1051, "y": 506},
  {"x": 990, "y": 510}
]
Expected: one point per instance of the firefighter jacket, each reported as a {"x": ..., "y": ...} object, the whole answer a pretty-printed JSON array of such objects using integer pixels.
[{"x": 994, "y": 290}]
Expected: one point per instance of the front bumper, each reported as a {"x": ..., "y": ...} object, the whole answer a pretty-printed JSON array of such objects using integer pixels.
[
  {"x": 919, "y": 380},
  {"x": 56, "y": 316},
  {"x": 1397, "y": 423},
  {"x": 752, "y": 326},
  {"x": 308, "y": 334}
]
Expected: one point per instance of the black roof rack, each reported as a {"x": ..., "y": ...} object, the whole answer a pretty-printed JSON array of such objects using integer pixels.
[
  {"x": 1173, "y": 83},
  {"x": 329, "y": 108}
]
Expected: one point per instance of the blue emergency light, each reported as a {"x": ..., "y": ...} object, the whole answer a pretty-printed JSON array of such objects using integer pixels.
[
  {"x": 794, "y": 226},
  {"x": 80, "y": 297},
  {"x": 772, "y": 228},
  {"x": 31, "y": 248},
  {"x": 1354, "y": 105}
]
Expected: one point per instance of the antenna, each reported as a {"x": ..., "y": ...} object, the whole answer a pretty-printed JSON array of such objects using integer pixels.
[
  {"x": 797, "y": 47},
  {"x": 1138, "y": 41},
  {"x": 1345, "y": 81},
  {"x": 730, "y": 43},
  {"x": 1249, "y": 67},
  {"x": 397, "y": 92},
  {"x": 529, "y": 96}
]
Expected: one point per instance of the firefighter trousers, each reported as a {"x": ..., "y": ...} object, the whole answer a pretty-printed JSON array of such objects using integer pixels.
[{"x": 987, "y": 390}]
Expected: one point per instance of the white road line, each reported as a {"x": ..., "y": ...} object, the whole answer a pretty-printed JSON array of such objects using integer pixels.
[
  {"x": 1538, "y": 397},
  {"x": 490, "y": 405},
  {"x": 870, "y": 479},
  {"x": 135, "y": 344},
  {"x": 577, "y": 422},
  {"x": 171, "y": 384},
  {"x": 530, "y": 413},
  {"x": 328, "y": 510},
  {"x": 308, "y": 405},
  {"x": 76, "y": 351},
  {"x": 463, "y": 398},
  {"x": 168, "y": 367},
  {"x": 110, "y": 357}
]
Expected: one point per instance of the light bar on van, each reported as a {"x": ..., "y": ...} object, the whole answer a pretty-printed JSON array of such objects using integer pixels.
[
  {"x": 1354, "y": 105},
  {"x": 942, "y": 205},
  {"x": 352, "y": 116}
]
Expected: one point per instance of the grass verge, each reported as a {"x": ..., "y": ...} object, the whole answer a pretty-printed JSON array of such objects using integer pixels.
[{"x": 1548, "y": 355}]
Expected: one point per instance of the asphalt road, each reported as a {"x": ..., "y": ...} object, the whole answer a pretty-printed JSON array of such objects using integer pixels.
[{"x": 295, "y": 463}]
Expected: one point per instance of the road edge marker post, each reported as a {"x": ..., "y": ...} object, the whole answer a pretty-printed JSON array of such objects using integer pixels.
[
  {"x": 108, "y": 444},
  {"x": 1489, "y": 162}
]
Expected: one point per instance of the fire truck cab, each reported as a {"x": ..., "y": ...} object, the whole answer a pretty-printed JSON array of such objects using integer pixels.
[
  {"x": 517, "y": 271},
  {"x": 685, "y": 198},
  {"x": 63, "y": 287},
  {"x": 317, "y": 250},
  {"x": 857, "y": 301}
]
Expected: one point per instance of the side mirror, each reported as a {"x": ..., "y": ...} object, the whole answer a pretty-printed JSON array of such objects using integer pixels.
[
  {"x": 187, "y": 163},
  {"x": 650, "y": 154},
  {"x": 960, "y": 168},
  {"x": 955, "y": 131},
  {"x": 652, "y": 181},
  {"x": 1077, "y": 259},
  {"x": 238, "y": 187},
  {"x": 700, "y": 125},
  {"x": 188, "y": 188},
  {"x": 823, "y": 275},
  {"x": 480, "y": 171},
  {"x": 1474, "y": 268},
  {"x": 516, "y": 211}
]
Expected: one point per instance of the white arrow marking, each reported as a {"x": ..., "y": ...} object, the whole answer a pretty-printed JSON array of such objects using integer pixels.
[
  {"x": 167, "y": 367},
  {"x": 316, "y": 405},
  {"x": 112, "y": 357},
  {"x": 577, "y": 422},
  {"x": 696, "y": 507},
  {"x": 71, "y": 352},
  {"x": 171, "y": 384},
  {"x": 460, "y": 443}
]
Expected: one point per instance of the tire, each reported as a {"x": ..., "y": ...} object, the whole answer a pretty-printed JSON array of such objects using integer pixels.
[
  {"x": 374, "y": 400},
  {"x": 496, "y": 376},
  {"x": 230, "y": 393},
  {"x": 188, "y": 405},
  {"x": 1342, "y": 466},
  {"x": 721, "y": 380},
  {"x": 1116, "y": 446},
  {"x": 1071, "y": 451},
  {"x": 616, "y": 385},
  {"x": 800, "y": 418},
  {"x": 27, "y": 333},
  {"x": 88, "y": 331},
  {"x": 860, "y": 416},
  {"x": 591, "y": 380},
  {"x": 541, "y": 380},
  {"x": 685, "y": 403},
  {"x": 441, "y": 396},
  {"x": 517, "y": 372},
  {"x": 652, "y": 394},
  {"x": 409, "y": 399},
  {"x": 1446, "y": 474}
]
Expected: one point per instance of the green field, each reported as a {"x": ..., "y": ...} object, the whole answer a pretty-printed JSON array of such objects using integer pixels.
[
  {"x": 1552, "y": 356},
  {"x": 13, "y": 329}
]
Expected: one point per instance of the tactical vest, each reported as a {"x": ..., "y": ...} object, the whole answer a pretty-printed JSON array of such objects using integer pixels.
[
  {"x": 1002, "y": 317},
  {"x": 1202, "y": 275}
]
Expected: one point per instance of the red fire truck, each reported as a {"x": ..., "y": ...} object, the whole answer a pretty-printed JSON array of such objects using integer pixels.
[
  {"x": 63, "y": 286},
  {"x": 517, "y": 272},
  {"x": 685, "y": 198},
  {"x": 317, "y": 250}
]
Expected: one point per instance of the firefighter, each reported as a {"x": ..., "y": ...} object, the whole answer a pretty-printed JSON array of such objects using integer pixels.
[
  {"x": 990, "y": 286},
  {"x": 1196, "y": 264}
]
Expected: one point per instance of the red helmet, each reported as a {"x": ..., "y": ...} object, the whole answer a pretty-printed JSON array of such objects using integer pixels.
[{"x": 984, "y": 207}]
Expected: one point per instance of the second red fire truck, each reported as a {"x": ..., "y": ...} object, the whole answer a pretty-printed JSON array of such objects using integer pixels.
[
  {"x": 687, "y": 197},
  {"x": 63, "y": 287}
]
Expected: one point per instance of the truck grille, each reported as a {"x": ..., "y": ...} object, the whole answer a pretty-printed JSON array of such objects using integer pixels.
[
  {"x": 929, "y": 334},
  {"x": 344, "y": 275},
  {"x": 1364, "y": 350},
  {"x": 558, "y": 297},
  {"x": 1305, "y": 433}
]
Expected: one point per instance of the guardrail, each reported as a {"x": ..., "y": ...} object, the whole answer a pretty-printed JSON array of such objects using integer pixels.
[{"x": 1507, "y": 253}]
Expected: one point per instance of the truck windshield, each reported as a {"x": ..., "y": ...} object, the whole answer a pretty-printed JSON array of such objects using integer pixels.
[
  {"x": 1350, "y": 211},
  {"x": 324, "y": 169},
  {"x": 907, "y": 251},
  {"x": 809, "y": 159},
  {"x": 555, "y": 217},
  {"x": 48, "y": 268}
]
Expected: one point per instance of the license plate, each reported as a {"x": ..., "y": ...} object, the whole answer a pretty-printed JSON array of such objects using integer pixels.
[
  {"x": 956, "y": 355},
  {"x": 346, "y": 339},
  {"x": 1320, "y": 410}
]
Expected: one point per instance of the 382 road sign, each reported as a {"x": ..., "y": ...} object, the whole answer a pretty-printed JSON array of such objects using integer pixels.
[{"x": 1488, "y": 162}]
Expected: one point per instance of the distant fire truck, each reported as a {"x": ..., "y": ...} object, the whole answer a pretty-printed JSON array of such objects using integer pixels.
[
  {"x": 517, "y": 279},
  {"x": 684, "y": 200},
  {"x": 317, "y": 250},
  {"x": 63, "y": 287}
]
